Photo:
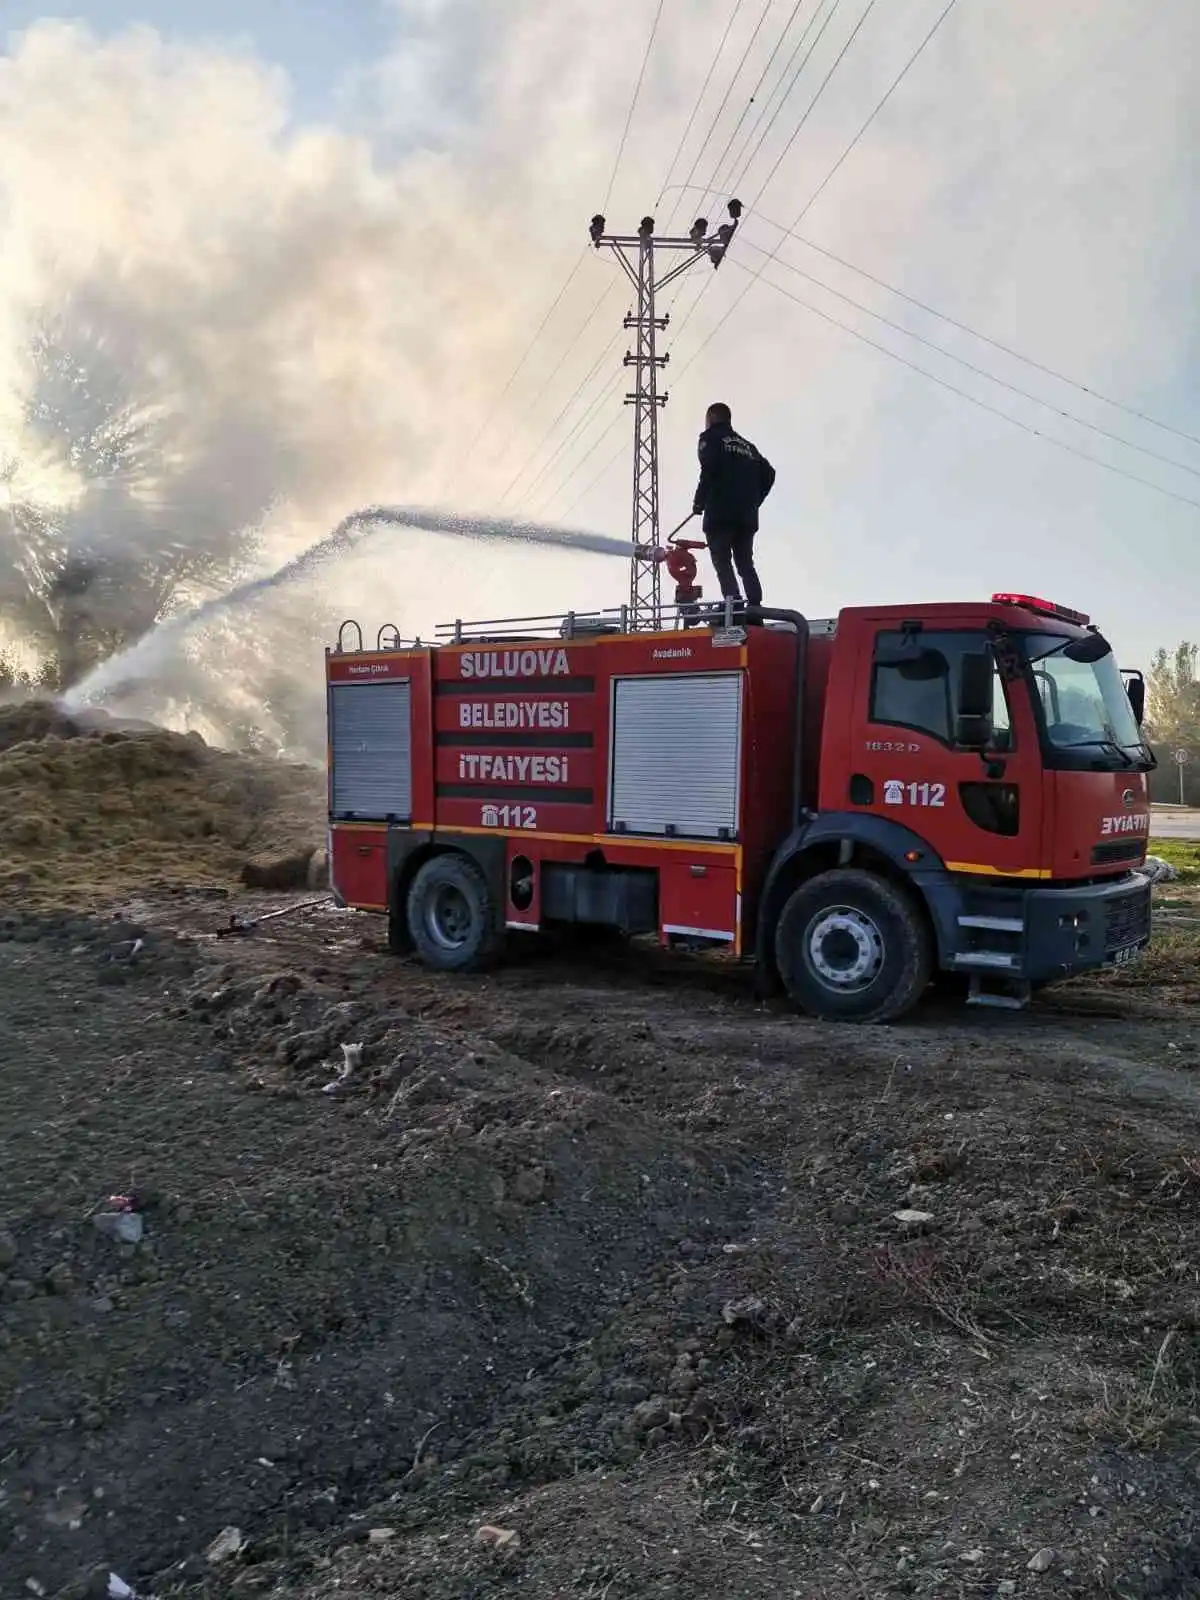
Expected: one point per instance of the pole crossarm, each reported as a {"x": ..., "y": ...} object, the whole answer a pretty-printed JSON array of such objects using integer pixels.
[{"x": 638, "y": 255}]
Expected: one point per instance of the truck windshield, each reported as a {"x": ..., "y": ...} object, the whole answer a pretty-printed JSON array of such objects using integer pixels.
[{"x": 1084, "y": 703}]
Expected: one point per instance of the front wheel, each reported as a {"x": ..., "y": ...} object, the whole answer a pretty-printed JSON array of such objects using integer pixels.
[
  {"x": 450, "y": 915},
  {"x": 852, "y": 946}
]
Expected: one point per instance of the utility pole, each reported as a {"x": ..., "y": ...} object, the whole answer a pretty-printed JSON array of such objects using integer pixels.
[{"x": 637, "y": 254}]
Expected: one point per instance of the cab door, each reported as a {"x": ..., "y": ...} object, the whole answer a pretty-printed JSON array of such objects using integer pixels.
[{"x": 981, "y": 813}]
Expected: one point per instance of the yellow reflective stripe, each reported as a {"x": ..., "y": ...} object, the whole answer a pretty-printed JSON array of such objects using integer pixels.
[
  {"x": 624, "y": 841},
  {"x": 998, "y": 872}
]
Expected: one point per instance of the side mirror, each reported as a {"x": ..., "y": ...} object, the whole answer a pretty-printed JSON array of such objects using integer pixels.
[
  {"x": 1135, "y": 688},
  {"x": 913, "y": 663},
  {"x": 973, "y": 712}
]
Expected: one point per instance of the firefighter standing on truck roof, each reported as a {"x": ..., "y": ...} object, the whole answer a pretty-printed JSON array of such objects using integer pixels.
[{"x": 735, "y": 479}]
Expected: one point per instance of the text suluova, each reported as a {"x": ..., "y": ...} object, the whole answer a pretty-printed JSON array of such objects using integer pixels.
[{"x": 547, "y": 663}]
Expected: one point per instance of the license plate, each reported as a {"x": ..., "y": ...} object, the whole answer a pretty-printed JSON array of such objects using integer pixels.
[{"x": 1128, "y": 953}]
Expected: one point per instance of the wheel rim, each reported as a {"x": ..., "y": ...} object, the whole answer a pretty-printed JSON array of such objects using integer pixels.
[
  {"x": 843, "y": 948},
  {"x": 448, "y": 917}
]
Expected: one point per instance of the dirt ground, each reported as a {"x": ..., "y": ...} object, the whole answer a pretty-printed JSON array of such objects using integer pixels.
[{"x": 594, "y": 1278}]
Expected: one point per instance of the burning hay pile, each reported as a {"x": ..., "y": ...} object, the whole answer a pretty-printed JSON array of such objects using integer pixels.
[{"x": 89, "y": 808}]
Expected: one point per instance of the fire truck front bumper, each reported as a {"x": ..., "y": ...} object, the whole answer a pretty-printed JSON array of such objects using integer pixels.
[{"x": 1039, "y": 934}]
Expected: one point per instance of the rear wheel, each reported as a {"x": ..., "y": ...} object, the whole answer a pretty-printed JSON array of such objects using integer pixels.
[
  {"x": 850, "y": 945},
  {"x": 451, "y": 916},
  {"x": 400, "y": 940}
]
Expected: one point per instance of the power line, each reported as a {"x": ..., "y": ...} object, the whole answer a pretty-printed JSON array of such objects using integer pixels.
[
  {"x": 605, "y": 390},
  {"x": 913, "y": 367},
  {"x": 762, "y": 78},
  {"x": 603, "y": 395},
  {"x": 584, "y": 459},
  {"x": 980, "y": 372},
  {"x": 837, "y": 61},
  {"x": 813, "y": 198},
  {"x": 895, "y": 84},
  {"x": 557, "y": 301},
  {"x": 853, "y": 143},
  {"x": 743, "y": 162},
  {"x": 996, "y": 344},
  {"x": 713, "y": 124},
  {"x": 637, "y": 90},
  {"x": 513, "y": 375},
  {"x": 616, "y": 166},
  {"x": 963, "y": 327},
  {"x": 549, "y": 432},
  {"x": 580, "y": 422},
  {"x": 708, "y": 77},
  {"x": 729, "y": 26},
  {"x": 571, "y": 346},
  {"x": 593, "y": 481},
  {"x": 686, "y": 318},
  {"x": 721, "y": 108},
  {"x": 795, "y": 78},
  {"x": 974, "y": 400}
]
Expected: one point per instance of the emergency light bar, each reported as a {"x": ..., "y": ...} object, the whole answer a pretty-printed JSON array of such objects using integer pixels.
[{"x": 1043, "y": 608}]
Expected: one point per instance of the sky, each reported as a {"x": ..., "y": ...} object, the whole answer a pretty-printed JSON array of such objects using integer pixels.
[
  {"x": 315, "y": 238},
  {"x": 320, "y": 44}
]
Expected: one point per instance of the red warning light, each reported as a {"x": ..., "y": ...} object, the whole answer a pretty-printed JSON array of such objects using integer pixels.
[{"x": 1043, "y": 608}]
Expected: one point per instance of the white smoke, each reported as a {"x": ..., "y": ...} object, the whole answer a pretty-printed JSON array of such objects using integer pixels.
[
  {"x": 318, "y": 320},
  {"x": 282, "y": 320},
  {"x": 296, "y": 320}
]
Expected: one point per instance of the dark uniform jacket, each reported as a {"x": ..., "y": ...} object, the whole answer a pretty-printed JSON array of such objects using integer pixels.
[{"x": 735, "y": 479}]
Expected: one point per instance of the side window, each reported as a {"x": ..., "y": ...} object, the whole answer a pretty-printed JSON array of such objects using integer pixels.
[{"x": 914, "y": 683}]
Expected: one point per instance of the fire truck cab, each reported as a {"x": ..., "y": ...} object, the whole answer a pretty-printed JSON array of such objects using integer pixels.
[{"x": 852, "y": 805}]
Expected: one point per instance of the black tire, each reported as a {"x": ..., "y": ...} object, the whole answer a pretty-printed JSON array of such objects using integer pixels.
[
  {"x": 400, "y": 941},
  {"x": 451, "y": 915},
  {"x": 853, "y": 947}
]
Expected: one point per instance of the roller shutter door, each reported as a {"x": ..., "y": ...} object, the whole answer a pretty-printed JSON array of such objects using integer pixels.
[
  {"x": 370, "y": 738},
  {"x": 676, "y": 755}
]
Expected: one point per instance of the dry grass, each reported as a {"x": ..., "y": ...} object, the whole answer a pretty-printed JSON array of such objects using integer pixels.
[
  {"x": 1141, "y": 1410},
  {"x": 1170, "y": 967},
  {"x": 84, "y": 815},
  {"x": 1183, "y": 854}
]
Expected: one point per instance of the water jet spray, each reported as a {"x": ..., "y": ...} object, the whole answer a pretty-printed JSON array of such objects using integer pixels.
[{"x": 143, "y": 658}]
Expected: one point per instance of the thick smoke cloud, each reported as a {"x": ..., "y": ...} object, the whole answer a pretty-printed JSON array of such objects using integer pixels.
[
  {"x": 288, "y": 321},
  {"x": 282, "y": 321}
]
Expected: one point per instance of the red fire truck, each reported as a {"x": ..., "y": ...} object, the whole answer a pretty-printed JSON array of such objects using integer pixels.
[{"x": 854, "y": 805}]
